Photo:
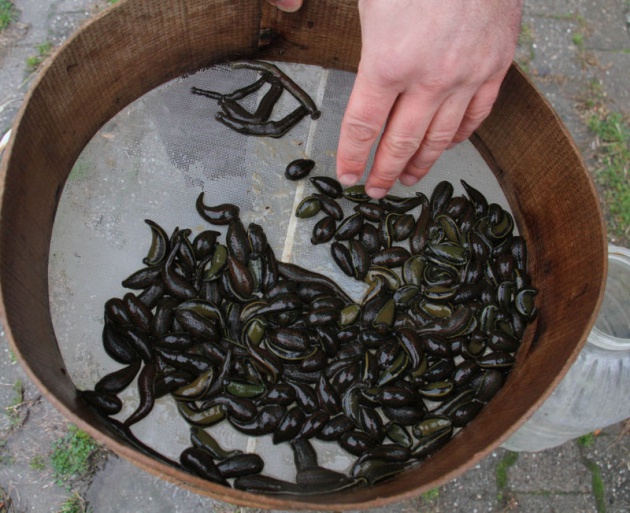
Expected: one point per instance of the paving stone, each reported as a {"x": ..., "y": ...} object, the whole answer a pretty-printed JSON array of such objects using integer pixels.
[
  {"x": 614, "y": 78},
  {"x": 589, "y": 17},
  {"x": 556, "y": 8},
  {"x": 138, "y": 491},
  {"x": 35, "y": 14},
  {"x": 554, "y": 503},
  {"x": 473, "y": 491},
  {"x": 610, "y": 451},
  {"x": 12, "y": 78},
  {"x": 27, "y": 437},
  {"x": 611, "y": 16},
  {"x": 554, "y": 470},
  {"x": 562, "y": 9},
  {"x": 38, "y": 23},
  {"x": 64, "y": 23},
  {"x": 553, "y": 48},
  {"x": 120, "y": 486}
]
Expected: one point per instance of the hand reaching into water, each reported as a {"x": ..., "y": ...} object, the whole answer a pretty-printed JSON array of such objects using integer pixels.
[{"x": 429, "y": 74}]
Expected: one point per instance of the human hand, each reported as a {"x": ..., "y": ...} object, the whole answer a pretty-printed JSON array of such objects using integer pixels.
[
  {"x": 286, "y": 5},
  {"x": 429, "y": 73}
]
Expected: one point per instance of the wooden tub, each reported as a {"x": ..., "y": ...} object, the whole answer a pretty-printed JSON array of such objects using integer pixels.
[{"x": 138, "y": 45}]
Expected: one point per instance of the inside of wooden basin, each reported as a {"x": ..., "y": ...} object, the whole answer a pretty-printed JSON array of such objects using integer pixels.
[
  {"x": 136, "y": 46},
  {"x": 151, "y": 161}
]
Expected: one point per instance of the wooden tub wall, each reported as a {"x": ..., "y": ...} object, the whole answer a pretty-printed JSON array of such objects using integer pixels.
[{"x": 138, "y": 45}]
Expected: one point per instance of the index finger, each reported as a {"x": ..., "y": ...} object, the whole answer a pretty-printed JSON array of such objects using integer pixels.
[{"x": 365, "y": 116}]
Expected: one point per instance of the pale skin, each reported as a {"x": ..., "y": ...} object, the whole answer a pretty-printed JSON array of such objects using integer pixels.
[{"x": 429, "y": 74}]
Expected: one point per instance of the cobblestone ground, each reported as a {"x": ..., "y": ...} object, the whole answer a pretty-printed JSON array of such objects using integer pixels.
[{"x": 578, "y": 54}]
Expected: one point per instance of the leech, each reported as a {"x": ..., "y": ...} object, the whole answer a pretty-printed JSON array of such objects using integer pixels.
[
  {"x": 241, "y": 93},
  {"x": 269, "y": 128},
  {"x": 293, "y": 272},
  {"x": 208, "y": 94},
  {"x": 296, "y": 91},
  {"x": 234, "y": 110},
  {"x": 124, "y": 432},
  {"x": 235, "y": 95},
  {"x": 268, "y": 102}
]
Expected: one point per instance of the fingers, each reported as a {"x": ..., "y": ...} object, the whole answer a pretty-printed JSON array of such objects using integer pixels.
[
  {"x": 419, "y": 128},
  {"x": 366, "y": 113},
  {"x": 404, "y": 134},
  {"x": 438, "y": 136},
  {"x": 478, "y": 110},
  {"x": 287, "y": 5}
]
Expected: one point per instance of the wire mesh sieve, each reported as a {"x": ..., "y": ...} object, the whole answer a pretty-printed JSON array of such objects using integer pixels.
[{"x": 151, "y": 161}]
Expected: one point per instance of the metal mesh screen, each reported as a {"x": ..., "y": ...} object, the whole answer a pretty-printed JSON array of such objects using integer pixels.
[{"x": 151, "y": 161}]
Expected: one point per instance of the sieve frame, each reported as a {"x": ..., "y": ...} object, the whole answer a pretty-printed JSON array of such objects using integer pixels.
[{"x": 137, "y": 45}]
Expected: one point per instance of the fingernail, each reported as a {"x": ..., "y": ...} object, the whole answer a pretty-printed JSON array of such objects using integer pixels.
[
  {"x": 348, "y": 180},
  {"x": 287, "y": 5},
  {"x": 376, "y": 192},
  {"x": 408, "y": 180}
]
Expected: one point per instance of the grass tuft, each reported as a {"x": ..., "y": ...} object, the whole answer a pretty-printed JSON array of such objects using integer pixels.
[
  {"x": 501, "y": 473},
  {"x": 71, "y": 455},
  {"x": 586, "y": 440},
  {"x": 431, "y": 495},
  {"x": 597, "y": 484},
  {"x": 8, "y": 13},
  {"x": 14, "y": 410},
  {"x": 612, "y": 171},
  {"x": 75, "y": 504},
  {"x": 43, "y": 51},
  {"x": 37, "y": 463}
]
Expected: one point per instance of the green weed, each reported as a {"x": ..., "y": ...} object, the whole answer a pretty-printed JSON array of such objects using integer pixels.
[
  {"x": 586, "y": 440},
  {"x": 579, "y": 36},
  {"x": 7, "y": 460},
  {"x": 75, "y": 504},
  {"x": 13, "y": 410},
  {"x": 595, "y": 99},
  {"x": 501, "y": 473},
  {"x": 578, "y": 39},
  {"x": 71, "y": 455},
  {"x": 37, "y": 463},
  {"x": 43, "y": 51},
  {"x": 7, "y": 13},
  {"x": 431, "y": 495},
  {"x": 526, "y": 45},
  {"x": 12, "y": 357},
  {"x": 612, "y": 171},
  {"x": 597, "y": 484}
]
